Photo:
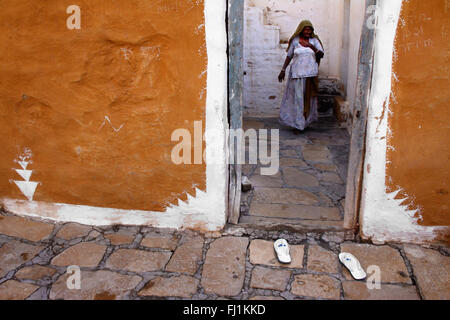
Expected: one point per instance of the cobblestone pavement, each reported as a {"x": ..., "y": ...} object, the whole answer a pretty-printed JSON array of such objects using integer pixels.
[
  {"x": 309, "y": 188},
  {"x": 121, "y": 262}
]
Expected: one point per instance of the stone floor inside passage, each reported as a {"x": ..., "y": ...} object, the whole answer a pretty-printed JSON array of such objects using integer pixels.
[{"x": 309, "y": 188}]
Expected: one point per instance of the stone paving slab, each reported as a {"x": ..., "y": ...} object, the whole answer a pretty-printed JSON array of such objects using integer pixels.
[
  {"x": 120, "y": 238},
  {"x": 357, "y": 290},
  {"x": 317, "y": 155},
  {"x": 294, "y": 142},
  {"x": 187, "y": 256},
  {"x": 24, "y": 228},
  {"x": 336, "y": 237},
  {"x": 294, "y": 211},
  {"x": 284, "y": 196},
  {"x": 316, "y": 286},
  {"x": 163, "y": 242},
  {"x": 35, "y": 272},
  {"x": 330, "y": 177},
  {"x": 95, "y": 285},
  {"x": 181, "y": 286},
  {"x": 265, "y": 278},
  {"x": 289, "y": 153},
  {"x": 247, "y": 169},
  {"x": 292, "y": 162},
  {"x": 253, "y": 124},
  {"x": 14, "y": 290},
  {"x": 322, "y": 260},
  {"x": 73, "y": 230},
  {"x": 263, "y": 253},
  {"x": 266, "y": 298},
  {"x": 326, "y": 201},
  {"x": 325, "y": 167},
  {"x": 86, "y": 254},
  {"x": 137, "y": 260},
  {"x": 432, "y": 271},
  {"x": 315, "y": 147},
  {"x": 14, "y": 254},
  {"x": 258, "y": 180},
  {"x": 224, "y": 268},
  {"x": 330, "y": 140},
  {"x": 388, "y": 259},
  {"x": 293, "y": 224},
  {"x": 297, "y": 178}
]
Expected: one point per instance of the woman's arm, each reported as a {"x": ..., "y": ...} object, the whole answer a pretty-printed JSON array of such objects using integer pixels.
[
  {"x": 283, "y": 70},
  {"x": 318, "y": 50},
  {"x": 319, "y": 56},
  {"x": 290, "y": 55}
]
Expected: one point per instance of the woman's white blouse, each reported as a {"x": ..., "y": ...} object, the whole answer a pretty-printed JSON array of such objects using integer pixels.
[{"x": 303, "y": 59}]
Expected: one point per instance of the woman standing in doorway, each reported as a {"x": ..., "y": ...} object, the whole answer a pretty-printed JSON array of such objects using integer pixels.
[{"x": 299, "y": 107}]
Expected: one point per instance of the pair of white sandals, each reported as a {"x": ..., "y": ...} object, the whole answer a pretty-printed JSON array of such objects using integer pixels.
[{"x": 347, "y": 259}]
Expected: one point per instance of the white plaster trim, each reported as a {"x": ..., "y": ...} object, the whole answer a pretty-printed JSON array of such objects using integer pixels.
[
  {"x": 383, "y": 218},
  {"x": 207, "y": 210}
]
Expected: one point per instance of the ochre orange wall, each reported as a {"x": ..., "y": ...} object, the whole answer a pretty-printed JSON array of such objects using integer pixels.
[
  {"x": 140, "y": 63},
  {"x": 419, "y": 145}
]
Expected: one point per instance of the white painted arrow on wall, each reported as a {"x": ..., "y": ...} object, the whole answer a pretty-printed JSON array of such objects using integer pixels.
[
  {"x": 25, "y": 174},
  {"x": 23, "y": 164},
  {"x": 27, "y": 187}
]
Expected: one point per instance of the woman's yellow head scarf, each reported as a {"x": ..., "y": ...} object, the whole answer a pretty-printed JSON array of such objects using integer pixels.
[{"x": 301, "y": 26}]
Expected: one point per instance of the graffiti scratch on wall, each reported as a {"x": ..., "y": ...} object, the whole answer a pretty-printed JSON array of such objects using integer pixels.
[{"x": 110, "y": 123}]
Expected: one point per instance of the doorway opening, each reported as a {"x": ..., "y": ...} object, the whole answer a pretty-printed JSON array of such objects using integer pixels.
[{"x": 317, "y": 186}]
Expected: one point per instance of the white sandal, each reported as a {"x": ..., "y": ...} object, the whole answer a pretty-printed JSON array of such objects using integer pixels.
[
  {"x": 282, "y": 250},
  {"x": 353, "y": 265}
]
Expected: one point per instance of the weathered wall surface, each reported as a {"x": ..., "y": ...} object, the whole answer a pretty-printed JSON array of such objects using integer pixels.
[
  {"x": 92, "y": 110},
  {"x": 327, "y": 17},
  {"x": 405, "y": 189},
  {"x": 419, "y": 153},
  {"x": 356, "y": 20},
  {"x": 263, "y": 59}
]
